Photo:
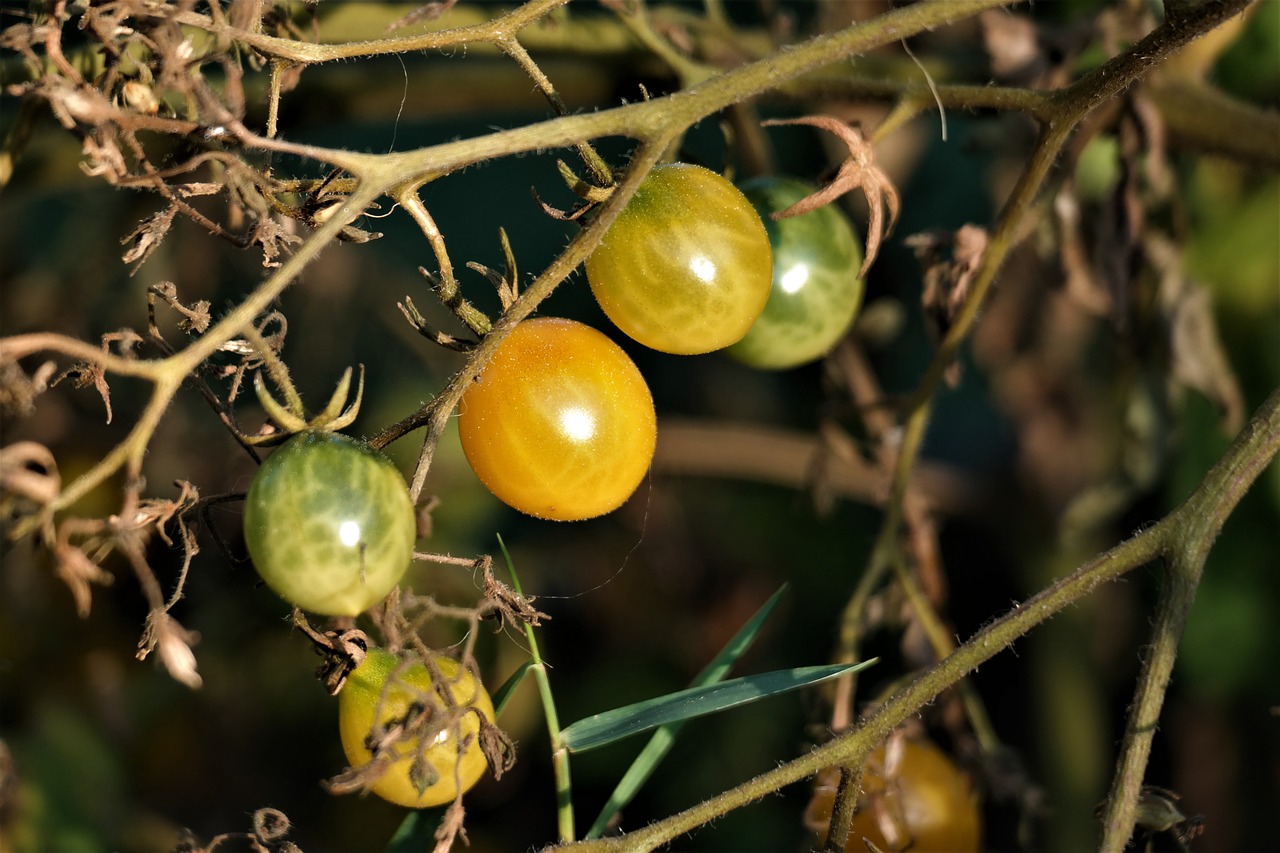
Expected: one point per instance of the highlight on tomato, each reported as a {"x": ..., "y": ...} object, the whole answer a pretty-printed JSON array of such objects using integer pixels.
[
  {"x": 914, "y": 798},
  {"x": 428, "y": 747},
  {"x": 816, "y": 291},
  {"x": 686, "y": 267},
  {"x": 560, "y": 424},
  {"x": 329, "y": 523}
]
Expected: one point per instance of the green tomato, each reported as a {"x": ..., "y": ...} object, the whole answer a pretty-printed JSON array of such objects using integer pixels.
[
  {"x": 816, "y": 290},
  {"x": 685, "y": 267},
  {"x": 329, "y": 524}
]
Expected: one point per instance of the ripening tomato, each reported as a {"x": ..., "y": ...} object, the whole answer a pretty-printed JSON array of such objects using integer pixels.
[
  {"x": 686, "y": 266},
  {"x": 419, "y": 773},
  {"x": 816, "y": 290},
  {"x": 329, "y": 523},
  {"x": 560, "y": 423},
  {"x": 919, "y": 802}
]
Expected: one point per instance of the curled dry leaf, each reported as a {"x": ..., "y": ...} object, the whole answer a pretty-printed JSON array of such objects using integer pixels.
[
  {"x": 858, "y": 172},
  {"x": 28, "y": 469}
]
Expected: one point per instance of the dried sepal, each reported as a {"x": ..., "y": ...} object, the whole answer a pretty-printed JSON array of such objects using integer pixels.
[
  {"x": 423, "y": 326},
  {"x": 858, "y": 172},
  {"x": 571, "y": 215}
]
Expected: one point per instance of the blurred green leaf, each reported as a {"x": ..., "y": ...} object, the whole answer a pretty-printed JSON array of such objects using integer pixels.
[
  {"x": 660, "y": 744},
  {"x": 620, "y": 723},
  {"x": 417, "y": 833}
]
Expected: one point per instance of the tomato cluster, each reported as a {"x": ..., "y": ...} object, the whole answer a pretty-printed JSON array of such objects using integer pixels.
[
  {"x": 913, "y": 798},
  {"x": 329, "y": 523},
  {"x": 428, "y": 747}
]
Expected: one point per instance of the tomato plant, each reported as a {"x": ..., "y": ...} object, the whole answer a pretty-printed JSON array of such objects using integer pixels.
[
  {"x": 686, "y": 266},
  {"x": 913, "y": 798},
  {"x": 560, "y": 423},
  {"x": 437, "y": 754},
  {"x": 816, "y": 290},
  {"x": 329, "y": 523}
]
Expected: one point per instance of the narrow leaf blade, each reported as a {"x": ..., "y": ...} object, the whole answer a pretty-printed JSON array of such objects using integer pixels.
[
  {"x": 662, "y": 740},
  {"x": 620, "y": 723}
]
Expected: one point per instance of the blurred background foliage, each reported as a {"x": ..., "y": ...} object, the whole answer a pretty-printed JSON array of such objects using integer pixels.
[{"x": 110, "y": 754}]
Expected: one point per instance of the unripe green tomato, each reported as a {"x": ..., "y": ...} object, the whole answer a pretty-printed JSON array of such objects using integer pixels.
[
  {"x": 329, "y": 523},
  {"x": 418, "y": 776},
  {"x": 560, "y": 423},
  {"x": 685, "y": 268},
  {"x": 816, "y": 290}
]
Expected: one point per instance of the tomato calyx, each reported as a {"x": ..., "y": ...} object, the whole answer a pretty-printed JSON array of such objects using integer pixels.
[{"x": 291, "y": 418}]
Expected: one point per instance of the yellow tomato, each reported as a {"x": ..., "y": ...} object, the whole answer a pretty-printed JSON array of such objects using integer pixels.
[
  {"x": 417, "y": 775},
  {"x": 686, "y": 267},
  {"x": 922, "y": 804},
  {"x": 560, "y": 424}
]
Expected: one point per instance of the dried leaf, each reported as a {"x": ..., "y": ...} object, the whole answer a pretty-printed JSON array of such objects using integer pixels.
[
  {"x": 948, "y": 280},
  {"x": 1199, "y": 360},
  {"x": 174, "y": 642},
  {"x": 147, "y": 237},
  {"x": 18, "y": 391},
  {"x": 274, "y": 240}
]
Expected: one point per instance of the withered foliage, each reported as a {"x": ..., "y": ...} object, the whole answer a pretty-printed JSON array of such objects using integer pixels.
[{"x": 159, "y": 110}]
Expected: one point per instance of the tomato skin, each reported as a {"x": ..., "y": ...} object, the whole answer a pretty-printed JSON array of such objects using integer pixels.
[
  {"x": 686, "y": 266},
  {"x": 816, "y": 290},
  {"x": 926, "y": 801},
  {"x": 454, "y": 760},
  {"x": 560, "y": 423},
  {"x": 329, "y": 524}
]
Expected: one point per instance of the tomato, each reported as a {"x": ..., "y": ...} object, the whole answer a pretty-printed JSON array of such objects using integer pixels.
[
  {"x": 923, "y": 804},
  {"x": 417, "y": 775},
  {"x": 816, "y": 290},
  {"x": 329, "y": 523},
  {"x": 560, "y": 423},
  {"x": 686, "y": 266}
]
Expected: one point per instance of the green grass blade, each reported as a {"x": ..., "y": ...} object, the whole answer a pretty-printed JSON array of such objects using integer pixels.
[
  {"x": 620, "y": 723},
  {"x": 660, "y": 744},
  {"x": 503, "y": 694},
  {"x": 559, "y": 755}
]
